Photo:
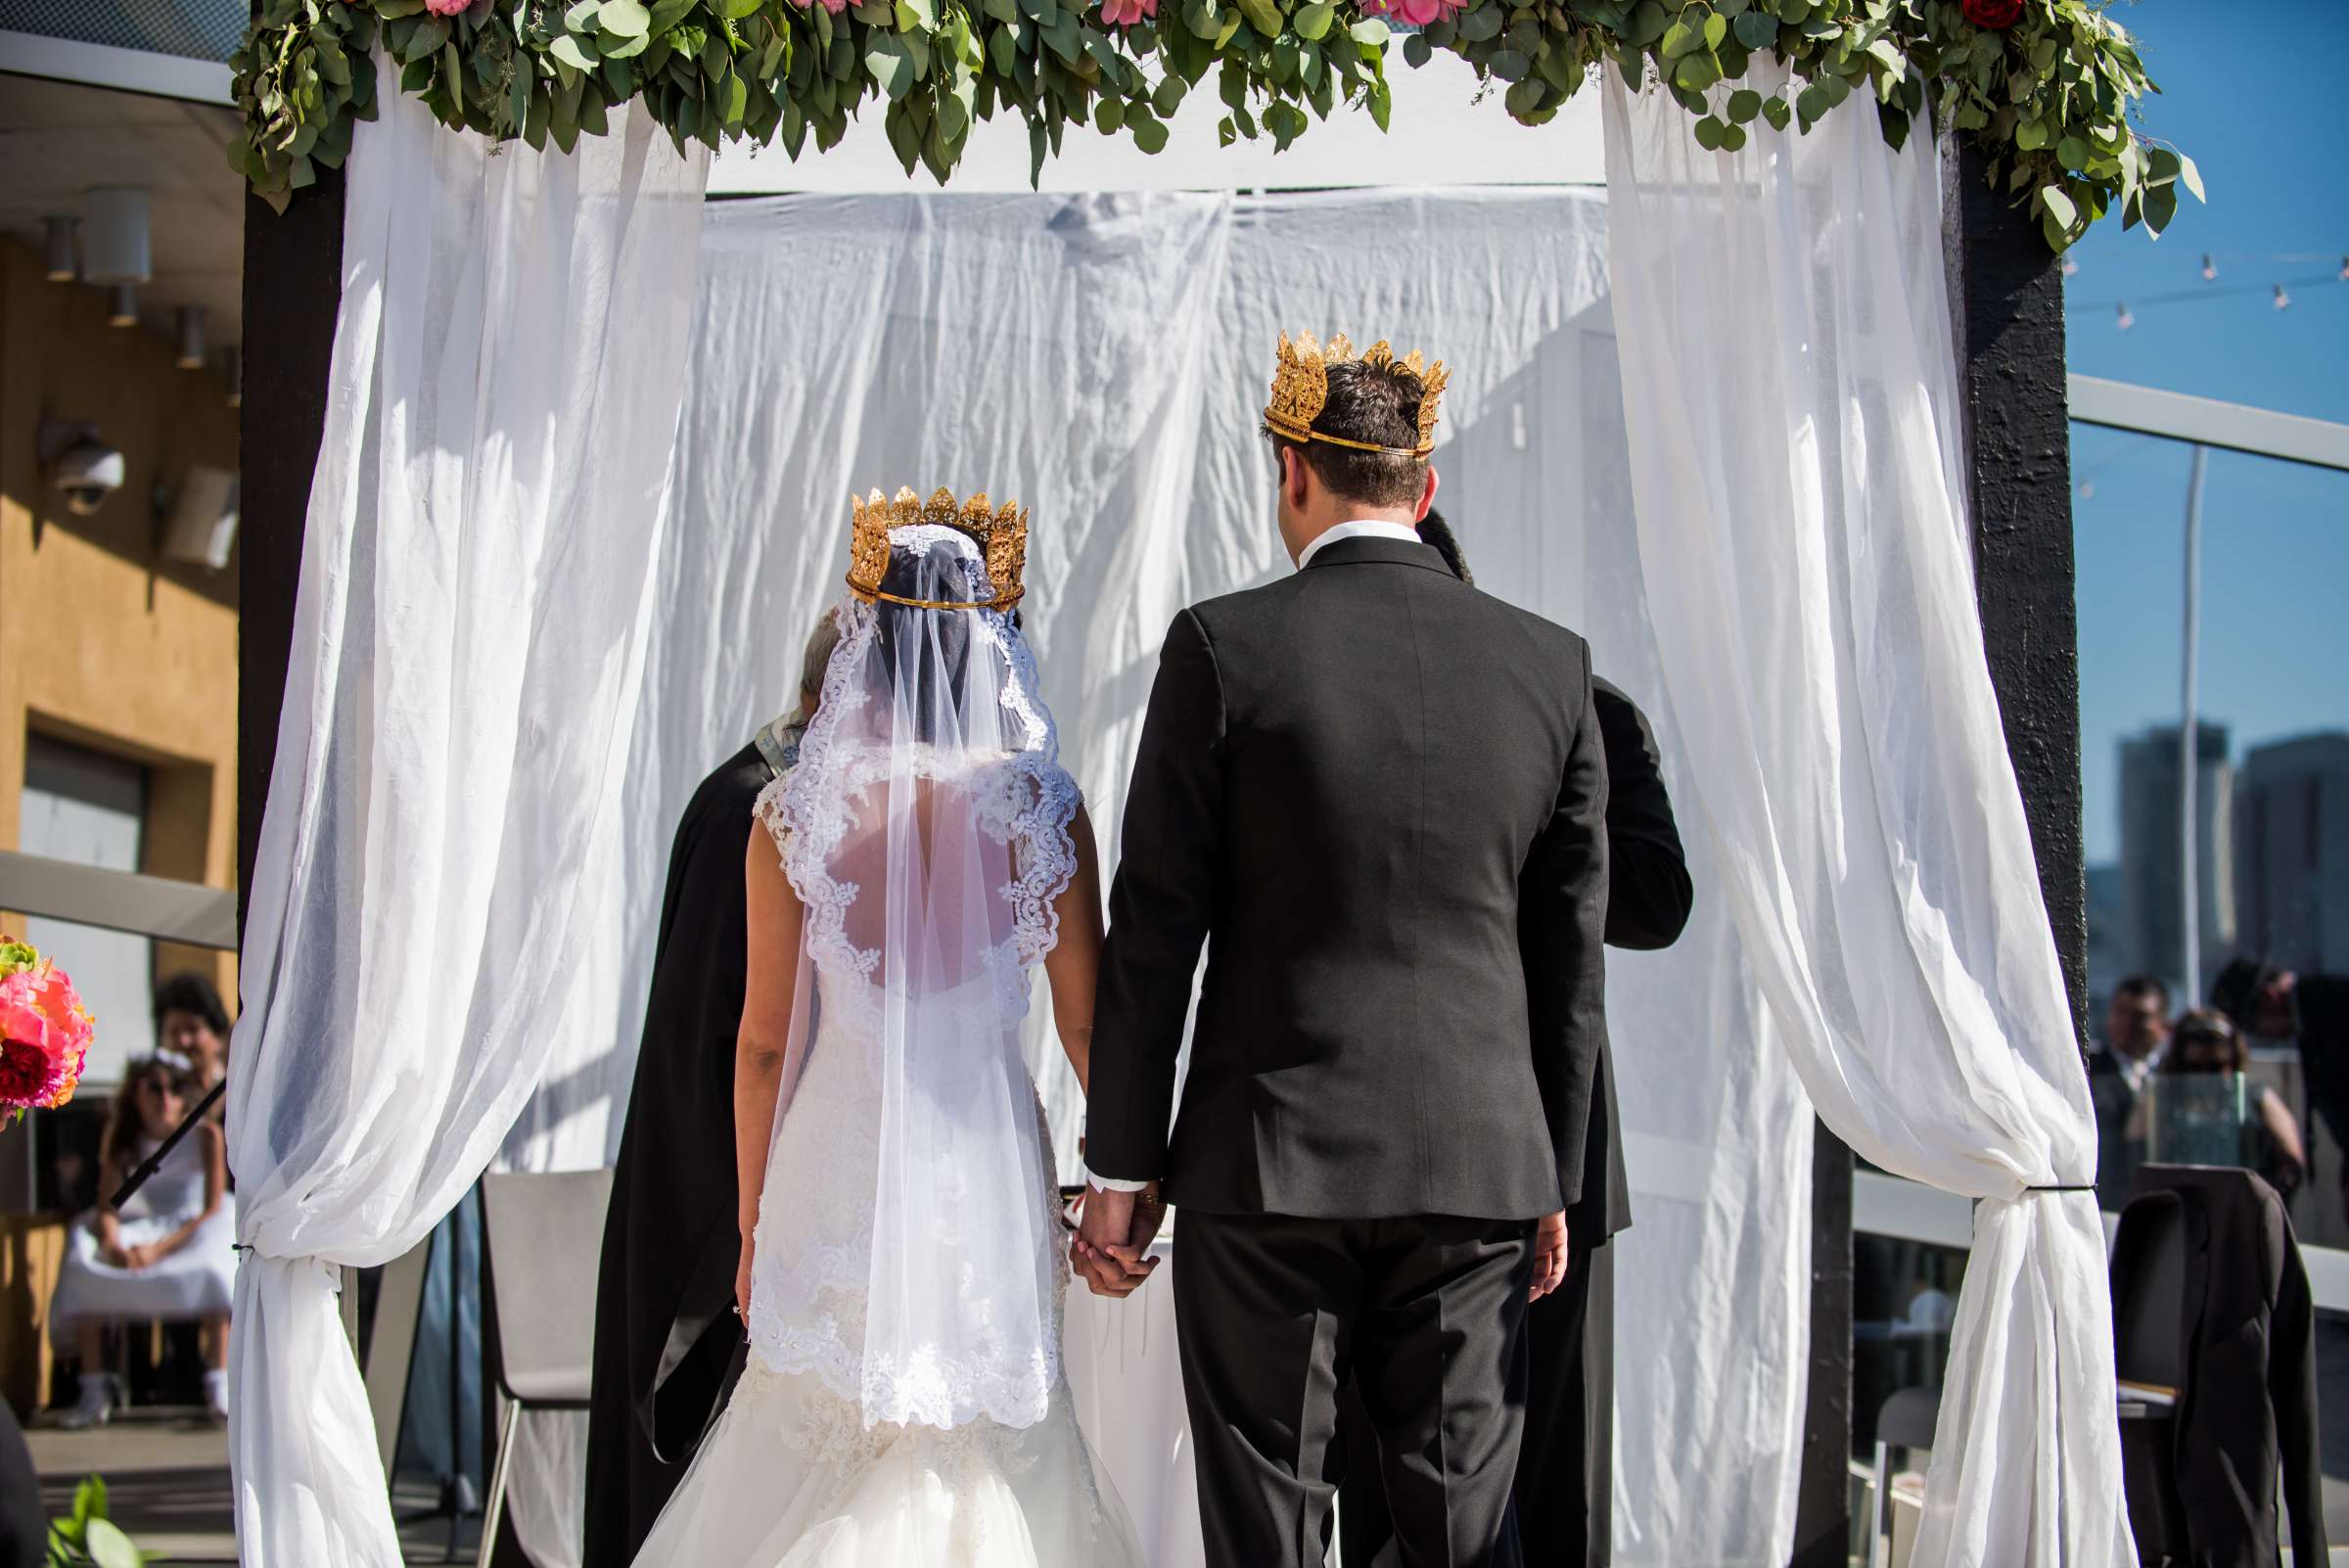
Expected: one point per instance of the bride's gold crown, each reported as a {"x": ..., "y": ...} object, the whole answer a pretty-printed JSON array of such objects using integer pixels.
[
  {"x": 1002, "y": 534},
  {"x": 1301, "y": 386}
]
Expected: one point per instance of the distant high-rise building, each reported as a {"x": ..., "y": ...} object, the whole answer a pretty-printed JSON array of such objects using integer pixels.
[
  {"x": 2152, "y": 926},
  {"x": 2108, "y": 958},
  {"x": 2292, "y": 852}
]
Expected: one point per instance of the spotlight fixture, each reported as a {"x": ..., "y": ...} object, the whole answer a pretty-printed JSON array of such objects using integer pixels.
[
  {"x": 190, "y": 324},
  {"x": 2283, "y": 301},
  {"x": 2125, "y": 320},
  {"x": 62, "y": 267},
  {"x": 114, "y": 237},
  {"x": 2210, "y": 268},
  {"x": 123, "y": 305}
]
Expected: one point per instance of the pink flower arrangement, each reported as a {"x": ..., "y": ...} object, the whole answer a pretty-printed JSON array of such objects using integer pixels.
[
  {"x": 1414, "y": 12},
  {"x": 1127, "y": 13},
  {"x": 836, "y": 7},
  {"x": 45, "y": 1032},
  {"x": 447, "y": 8}
]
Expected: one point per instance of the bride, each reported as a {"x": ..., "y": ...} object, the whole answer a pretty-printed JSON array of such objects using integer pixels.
[{"x": 902, "y": 1268}]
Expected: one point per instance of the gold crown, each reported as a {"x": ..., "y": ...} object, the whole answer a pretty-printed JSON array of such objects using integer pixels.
[
  {"x": 1301, "y": 386},
  {"x": 1002, "y": 534}
]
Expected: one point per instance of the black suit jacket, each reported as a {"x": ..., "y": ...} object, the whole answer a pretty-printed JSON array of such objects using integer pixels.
[
  {"x": 1379, "y": 797},
  {"x": 1648, "y": 899}
]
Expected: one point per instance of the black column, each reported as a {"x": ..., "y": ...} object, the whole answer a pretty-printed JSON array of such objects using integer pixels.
[
  {"x": 1822, "y": 1503},
  {"x": 293, "y": 285},
  {"x": 2006, "y": 294}
]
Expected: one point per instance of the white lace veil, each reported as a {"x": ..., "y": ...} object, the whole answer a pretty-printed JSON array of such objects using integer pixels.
[{"x": 926, "y": 832}]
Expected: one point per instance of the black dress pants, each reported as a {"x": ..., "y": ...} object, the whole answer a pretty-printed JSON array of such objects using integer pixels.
[
  {"x": 1275, "y": 1315},
  {"x": 1566, "y": 1462}
]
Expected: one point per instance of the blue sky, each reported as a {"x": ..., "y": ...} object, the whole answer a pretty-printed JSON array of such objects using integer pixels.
[{"x": 2276, "y": 536}]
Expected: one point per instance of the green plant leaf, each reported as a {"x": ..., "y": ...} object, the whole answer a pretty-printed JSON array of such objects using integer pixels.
[
  {"x": 1313, "y": 23},
  {"x": 1483, "y": 23},
  {"x": 624, "y": 18},
  {"x": 2059, "y": 205},
  {"x": 2192, "y": 177},
  {"x": 1150, "y": 135},
  {"x": 1416, "y": 50},
  {"x": 110, "y": 1548},
  {"x": 1264, "y": 16},
  {"x": 1744, "y": 104},
  {"x": 1510, "y": 66},
  {"x": 1370, "y": 32},
  {"x": 1709, "y": 132},
  {"x": 1777, "y": 111},
  {"x": 1756, "y": 29}
]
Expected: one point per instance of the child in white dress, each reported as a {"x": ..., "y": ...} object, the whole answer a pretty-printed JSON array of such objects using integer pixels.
[{"x": 171, "y": 1254}]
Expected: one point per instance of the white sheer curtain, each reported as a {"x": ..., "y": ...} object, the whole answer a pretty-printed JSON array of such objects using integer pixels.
[
  {"x": 467, "y": 648},
  {"x": 1790, "y": 396}
]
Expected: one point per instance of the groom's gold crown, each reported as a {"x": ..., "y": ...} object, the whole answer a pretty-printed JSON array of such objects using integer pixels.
[
  {"x": 1000, "y": 532},
  {"x": 1301, "y": 386}
]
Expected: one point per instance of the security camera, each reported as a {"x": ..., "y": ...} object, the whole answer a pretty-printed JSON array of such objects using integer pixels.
[{"x": 86, "y": 473}]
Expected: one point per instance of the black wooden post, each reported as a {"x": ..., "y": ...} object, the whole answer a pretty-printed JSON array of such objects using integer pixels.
[
  {"x": 293, "y": 285},
  {"x": 2006, "y": 293}
]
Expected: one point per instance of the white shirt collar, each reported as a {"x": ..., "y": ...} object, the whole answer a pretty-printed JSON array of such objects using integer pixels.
[{"x": 1361, "y": 529}]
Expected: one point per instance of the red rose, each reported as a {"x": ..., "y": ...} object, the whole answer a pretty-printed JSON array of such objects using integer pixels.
[
  {"x": 1996, "y": 14},
  {"x": 24, "y": 1073}
]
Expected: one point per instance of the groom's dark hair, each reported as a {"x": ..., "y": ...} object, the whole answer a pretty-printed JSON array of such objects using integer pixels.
[{"x": 1366, "y": 403}]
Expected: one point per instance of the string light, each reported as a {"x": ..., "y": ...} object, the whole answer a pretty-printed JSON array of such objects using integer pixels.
[
  {"x": 2071, "y": 268},
  {"x": 2345, "y": 270},
  {"x": 2125, "y": 320},
  {"x": 2210, "y": 268},
  {"x": 2283, "y": 301}
]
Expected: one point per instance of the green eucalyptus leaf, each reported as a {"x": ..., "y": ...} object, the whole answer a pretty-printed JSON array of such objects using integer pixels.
[
  {"x": 1510, "y": 66},
  {"x": 571, "y": 52},
  {"x": 1150, "y": 135},
  {"x": 2192, "y": 177},
  {"x": 1744, "y": 106},
  {"x": 1312, "y": 22},
  {"x": 1709, "y": 132},
  {"x": 1415, "y": 50},
  {"x": 1483, "y": 23},
  {"x": 1756, "y": 29},
  {"x": 628, "y": 19},
  {"x": 1168, "y": 95}
]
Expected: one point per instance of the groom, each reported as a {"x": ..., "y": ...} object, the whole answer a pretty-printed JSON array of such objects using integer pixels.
[{"x": 1378, "y": 797}]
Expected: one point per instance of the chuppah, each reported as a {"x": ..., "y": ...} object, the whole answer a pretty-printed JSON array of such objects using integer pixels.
[{"x": 1746, "y": 592}]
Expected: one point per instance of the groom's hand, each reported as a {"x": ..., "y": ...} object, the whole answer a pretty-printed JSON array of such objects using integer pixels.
[
  {"x": 1550, "y": 1254},
  {"x": 1112, "y": 1245}
]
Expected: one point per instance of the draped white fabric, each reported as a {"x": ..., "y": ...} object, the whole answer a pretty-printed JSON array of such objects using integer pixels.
[
  {"x": 1792, "y": 406},
  {"x": 1103, "y": 358},
  {"x": 467, "y": 644}
]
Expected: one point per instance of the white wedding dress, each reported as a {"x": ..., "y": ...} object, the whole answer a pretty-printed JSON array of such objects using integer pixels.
[{"x": 910, "y": 1166}]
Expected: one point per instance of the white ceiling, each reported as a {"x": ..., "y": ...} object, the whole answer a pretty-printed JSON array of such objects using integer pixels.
[{"x": 60, "y": 139}]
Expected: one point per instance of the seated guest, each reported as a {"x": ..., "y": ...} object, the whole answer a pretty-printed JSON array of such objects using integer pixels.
[
  {"x": 190, "y": 1021},
  {"x": 2242, "y": 1124},
  {"x": 2136, "y": 1031},
  {"x": 171, "y": 1254},
  {"x": 2270, "y": 1002}
]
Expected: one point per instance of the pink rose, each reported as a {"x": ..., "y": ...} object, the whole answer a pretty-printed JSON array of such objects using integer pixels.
[
  {"x": 1127, "y": 13},
  {"x": 1414, "y": 12},
  {"x": 447, "y": 8},
  {"x": 836, "y": 7}
]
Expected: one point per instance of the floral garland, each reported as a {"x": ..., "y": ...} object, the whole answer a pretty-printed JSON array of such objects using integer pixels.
[{"x": 2047, "y": 86}]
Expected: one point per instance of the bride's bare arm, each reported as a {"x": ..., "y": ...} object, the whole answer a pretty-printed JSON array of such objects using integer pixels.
[
  {"x": 772, "y": 971},
  {"x": 1072, "y": 966}
]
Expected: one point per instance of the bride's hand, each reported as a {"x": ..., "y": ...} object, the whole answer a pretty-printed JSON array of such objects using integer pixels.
[
  {"x": 742, "y": 1283},
  {"x": 1550, "y": 1254}
]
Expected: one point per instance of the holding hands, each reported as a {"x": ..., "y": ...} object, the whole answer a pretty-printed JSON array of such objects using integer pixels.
[{"x": 1111, "y": 1250}]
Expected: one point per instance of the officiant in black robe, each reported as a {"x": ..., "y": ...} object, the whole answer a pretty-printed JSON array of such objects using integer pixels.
[
  {"x": 1566, "y": 1462},
  {"x": 666, "y": 1341}
]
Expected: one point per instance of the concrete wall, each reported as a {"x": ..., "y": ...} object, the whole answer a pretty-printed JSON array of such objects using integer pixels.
[{"x": 100, "y": 644}]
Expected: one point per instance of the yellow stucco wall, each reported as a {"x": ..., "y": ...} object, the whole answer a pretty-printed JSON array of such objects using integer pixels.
[{"x": 100, "y": 642}]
